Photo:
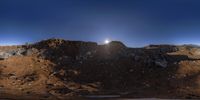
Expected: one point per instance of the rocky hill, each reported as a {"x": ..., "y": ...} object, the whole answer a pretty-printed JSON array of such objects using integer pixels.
[{"x": 59, "y": 69}]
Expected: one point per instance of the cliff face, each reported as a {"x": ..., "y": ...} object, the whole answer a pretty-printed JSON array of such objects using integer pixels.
[{"x": 58, "y": 69}]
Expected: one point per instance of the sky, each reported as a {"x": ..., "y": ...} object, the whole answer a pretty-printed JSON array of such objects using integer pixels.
[{"x": 134, "y": 22}]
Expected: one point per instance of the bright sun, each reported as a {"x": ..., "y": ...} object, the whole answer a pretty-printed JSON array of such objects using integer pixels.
[{"x": 107, "y": 41}]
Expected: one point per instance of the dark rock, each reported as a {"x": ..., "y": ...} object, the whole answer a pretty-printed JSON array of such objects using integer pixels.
[{"x": 63, "y": 91}]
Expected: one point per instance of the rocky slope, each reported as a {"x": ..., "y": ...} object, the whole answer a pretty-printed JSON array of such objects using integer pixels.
[{"x": 60, "y": 69}]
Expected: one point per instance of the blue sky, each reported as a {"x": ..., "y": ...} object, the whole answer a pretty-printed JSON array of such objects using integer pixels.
[{"x": 134, "y": 22}]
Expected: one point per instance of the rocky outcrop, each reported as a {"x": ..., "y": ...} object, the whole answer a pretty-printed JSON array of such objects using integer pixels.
[
  {"x": 4, "y": 55},
  {"x": 9, "y": 53},
  {"x": 163, "y": 48}
]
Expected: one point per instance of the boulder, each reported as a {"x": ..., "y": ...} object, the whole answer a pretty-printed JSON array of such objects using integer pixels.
[
  {"x": 161, "y": 63},
  {"x": 29, "y": 52},
  {"x": 4, "y": 55},
  {"x": 19, "y": 52}
]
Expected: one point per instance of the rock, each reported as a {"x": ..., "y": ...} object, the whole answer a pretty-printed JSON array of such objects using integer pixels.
[
  {"x": 13, "y": 77},
  {"x": 20, "y": 51},
  {"x": 161, "y": 63},
  {"x": 30, "y": 52},
  {"x": 1, "y": 86},
  {"x": 89, "y": 53},
  {"x": 117, "y": 46},
  {"x": 197, "y": 52},
  {"x": 132, "y": 55},
  {"x": 115, "y": 50},
  {"x": 163, "y": 48},
  {"x": 9, "y": 53},
  {"x": 137, "y": 58},
  {"x": 4, "y": 55}
]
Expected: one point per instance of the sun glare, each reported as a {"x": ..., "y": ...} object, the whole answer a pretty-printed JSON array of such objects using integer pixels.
[{"x": 107, "y": 41}]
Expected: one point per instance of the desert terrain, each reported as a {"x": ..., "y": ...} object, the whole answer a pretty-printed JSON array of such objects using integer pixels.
[{"x": 57, "y": 69}]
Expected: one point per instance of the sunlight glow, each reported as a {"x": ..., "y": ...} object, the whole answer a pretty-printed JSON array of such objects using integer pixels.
[{"x": 107, "y": 41}]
